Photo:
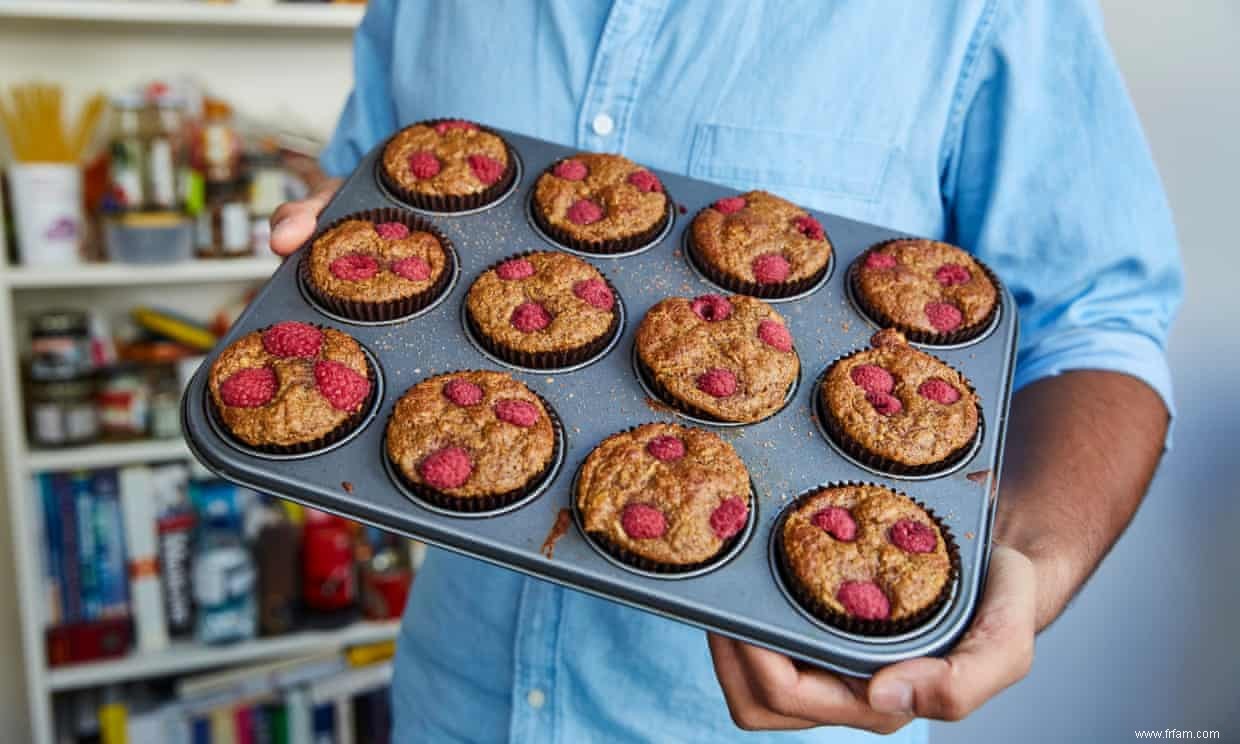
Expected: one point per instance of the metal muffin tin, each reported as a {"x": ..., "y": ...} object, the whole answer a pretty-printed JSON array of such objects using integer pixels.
[{"x": 786, "y": 454}]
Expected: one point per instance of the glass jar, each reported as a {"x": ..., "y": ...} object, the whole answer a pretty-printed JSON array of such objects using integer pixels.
[
  {"x": 165, "y": 406},
  {"x": 223, "y": 226},
  {"x": 123, "y": 401},
  {"x": 60, "y": 345},
  {"x": 127, "y": 155},
  {"x": 61, "y": 413}
]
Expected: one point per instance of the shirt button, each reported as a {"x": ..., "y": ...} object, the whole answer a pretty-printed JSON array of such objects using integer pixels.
[
  {"x": 536, "y": 698},
  {"x": 603, "y": 125}
]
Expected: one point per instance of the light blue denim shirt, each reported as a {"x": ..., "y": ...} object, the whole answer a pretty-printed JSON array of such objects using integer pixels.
[{"x": 999, "y": 125}]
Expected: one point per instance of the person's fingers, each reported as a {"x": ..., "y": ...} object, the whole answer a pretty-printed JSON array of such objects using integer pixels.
[
  {"x": 293, "y": 222},
  {"x": 747, "y": 712},
  {"x": 995, "y": 652}
]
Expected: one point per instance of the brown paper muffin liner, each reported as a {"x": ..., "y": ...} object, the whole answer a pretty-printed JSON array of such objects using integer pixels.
[
  {"x": 753, "y": 289},
  {"x": 959, "y": 336},
  {"x": 544, "y": 359},
  {"x": 378, "y": 312},
  {"x": 341, "y": 430},
  {"x": 669, "y": 398},
  {"x": 449, "y": 203},
  {"x": 847, "y": 623},
  {"x": 858, "y": 451},
  {"x": 489, "y": 502},
  {"x": 629, "y": 244}
]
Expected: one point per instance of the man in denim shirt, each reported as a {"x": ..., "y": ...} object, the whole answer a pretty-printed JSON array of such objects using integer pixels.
[{"x": 998, "y": 125}]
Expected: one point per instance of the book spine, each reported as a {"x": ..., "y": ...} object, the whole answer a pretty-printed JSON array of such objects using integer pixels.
[
  {"x": 67, "y": 521},
  {"x": 84, "y": 503},
  {"x": 53, "y": 573},
  {"x": 110, "y": 545},
  {"x": 145, "y": 590}
]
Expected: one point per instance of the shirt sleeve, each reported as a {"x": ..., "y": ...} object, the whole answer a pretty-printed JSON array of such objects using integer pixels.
[
  {"x": 369, "y": 114},
  {"x": 1051, "y": 183}
]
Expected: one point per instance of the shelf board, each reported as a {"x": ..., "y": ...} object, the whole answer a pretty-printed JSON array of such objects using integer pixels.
[
  {"x": 123, "y": 275},
  {"x": 275, "y": 16},
  {"x": 106, "y": 455},
  {"x": 185, "y": 657}
]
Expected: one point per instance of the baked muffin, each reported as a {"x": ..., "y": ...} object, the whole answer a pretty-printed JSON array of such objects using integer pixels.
[
  {"x": 600, "y": 203},
  {"x": 472, "y": 441},
  {"x": 543, "y": 310},
  {"x": 663, "y": 497},
  {"x": 933, "y": 292},
  {"x": 378, "y": 265},
  {"x": 292, "y": 387},
  {"x": 865, "y": 558},
  {"x": 720, "y": 358},
  {"x": 447, "y": 165},
  {"x": 759, "y": 244},
  {"x": 899, "y": 409}
]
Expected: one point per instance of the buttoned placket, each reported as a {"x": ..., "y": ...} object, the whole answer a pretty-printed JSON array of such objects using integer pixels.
[{"x": 536, "y": 647}]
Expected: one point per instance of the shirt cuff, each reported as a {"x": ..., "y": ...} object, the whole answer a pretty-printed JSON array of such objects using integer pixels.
[{"x": 1128, "y": 352}]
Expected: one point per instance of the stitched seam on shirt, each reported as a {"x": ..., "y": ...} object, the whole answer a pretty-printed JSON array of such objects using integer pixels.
[
  {"x": 640, "y": 74},
  {"x": 590, "y": 95},
  {"x": 968, "y": 66}
]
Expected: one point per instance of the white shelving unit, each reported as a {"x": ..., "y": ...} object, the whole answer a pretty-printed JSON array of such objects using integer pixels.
[
  {"x": 306, "y": 16},
  {"x": 121, "y": 275}
]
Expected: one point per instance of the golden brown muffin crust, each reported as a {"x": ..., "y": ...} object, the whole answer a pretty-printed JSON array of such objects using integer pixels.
[
  {"x": 766, "y": 224},
  {"x": 359, "y": 236},
  {"x": 453, "y": 148},
  {"x": 903, "y": 291},
  {"x": 627, "y": 210}
]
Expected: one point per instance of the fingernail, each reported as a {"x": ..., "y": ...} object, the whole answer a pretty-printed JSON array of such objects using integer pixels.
[{"x": 892, "y": 696}]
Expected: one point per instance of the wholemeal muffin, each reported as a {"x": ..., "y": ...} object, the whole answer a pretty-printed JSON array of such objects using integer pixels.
[
  {"x": 722, "y": 358},
  {"x": 759, "y": 244},
  {"x": 663, "y": 497},
  {"x": 292, "y": 387},
  {"x": 472, "y": 441},
  {"x": 543, "y": 310},
  {"x": 378, "y": 265},
  {"x": 600, "y": 203},
  {"x": 866, "y": 558},
  {"x": 447, "y": 165},
  {"x": 933, "y": 292},
  {"x": 899, "y": 409}
]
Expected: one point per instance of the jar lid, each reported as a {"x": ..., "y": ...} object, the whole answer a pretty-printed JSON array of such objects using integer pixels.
[{"x": 59, "y": 321}]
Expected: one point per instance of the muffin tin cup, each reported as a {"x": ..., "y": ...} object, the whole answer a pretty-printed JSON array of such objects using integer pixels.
[
  {"x": 454, "y": 204},
  {"x": 340, "y": 434},
  {"x": 805, "y": 599},
  {"x": 491, "y": 504},
  {"x": 781, "y": 292},
  {"x": 389, "y": 311},
  {"x": 626, "y": 246},
  {"x": 545, "y": 361},
  {"x": 953, "y": 339},
  {"x": 660, "y": 392}
]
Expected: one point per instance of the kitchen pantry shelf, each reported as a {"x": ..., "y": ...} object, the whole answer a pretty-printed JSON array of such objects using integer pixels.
[
  {"x": 185, "y": 657},
  {"x": 121, "y": 275},
  {"x": 106, "y": 455},
  {"x": 273, "y": 16}
]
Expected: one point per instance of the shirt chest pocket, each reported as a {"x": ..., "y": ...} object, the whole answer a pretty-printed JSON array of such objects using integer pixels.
[{"x": 819, "y": 171}]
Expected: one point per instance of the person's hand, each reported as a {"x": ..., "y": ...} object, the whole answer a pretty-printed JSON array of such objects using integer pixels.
[
  {"x": 293, "y": 222},
  {"x": 767, "y": 690}
]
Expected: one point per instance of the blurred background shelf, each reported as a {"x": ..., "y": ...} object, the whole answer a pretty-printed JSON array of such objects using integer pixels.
[
  {"x": 280, "y": 16},
  {"x": 106, "y": 455},
  {"x": 116, "y": 275}
]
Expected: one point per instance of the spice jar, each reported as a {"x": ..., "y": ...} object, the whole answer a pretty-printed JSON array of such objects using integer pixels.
[
  {"x": 59, "y": 345},
  {"x": 223, "y": 227},
  {"x": 61, "y": 413},
  {"x": 123, "y": 401},
  {"x": 165, "y": 405}
]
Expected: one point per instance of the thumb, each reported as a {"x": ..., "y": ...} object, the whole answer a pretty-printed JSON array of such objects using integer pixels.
[{"x": 293, "y": 222}]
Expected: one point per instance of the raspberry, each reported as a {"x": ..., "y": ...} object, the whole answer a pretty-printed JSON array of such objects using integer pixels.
[
  {"x": 913, "y": 536},
  {"x": 939, "y": 391},
  {"x": 530, "y": 317},
  {"x": 711, "y": 307},
  {"x": 423, "y": 165},
  {"x": 775, "y": 335},
  {"x": 249, "y": 388},
  {"x": 717, "y": 382},
  {"x": 944, "y": 316},
  {"x": 446, "y": 468},
  {"x": 878, "y": 260},
  {"x": 514, "y": 268},
  {"x": 292, "y": 339},
  {"x": 414, "y": 269},
  {"x": 885, "y": 403},
  {"x": 595, "y": 293},
  {"x": 584, "y": 212},
  {"x": 462, "y": 392},
  {"x": 863, "y": 599},
  {"x": 448, "y": 125},
  {"x": 837, "y": 522},
  {"x": 949, "y": 274},
  {"x": 643, "y": 521},
  {"x": 809, "y": 227},
  {"x": 872, "y": 378},
  {"x": 392, "y": 230},
  {"x": 486, "y": 168},
  {"x": 340, "y": 385},
  {"x": 516, "y": 412},
  {"x": 644, "y": 180},
  {"x": 666, "y": 448},
  {"x": 571, "y": 170},
  {"x": 354, "y": 267},
  {"x": 770, "y": 268},
  {"x": 730, "y": 204},
  {"x": 729, "y": 517}
]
